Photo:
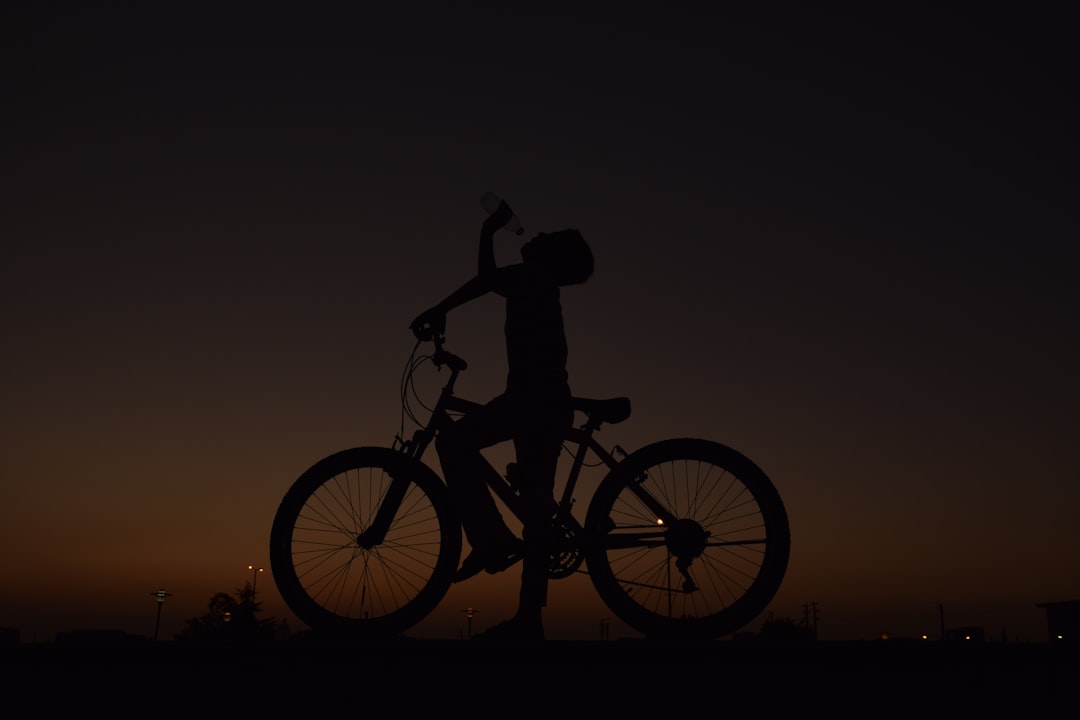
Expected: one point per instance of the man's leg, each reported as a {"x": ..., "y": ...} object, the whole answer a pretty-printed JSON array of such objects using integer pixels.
[
  {"x": 537, "y": 485},
  {"x": 467, "y": 472},
  {"x": 538, "y": 449}
]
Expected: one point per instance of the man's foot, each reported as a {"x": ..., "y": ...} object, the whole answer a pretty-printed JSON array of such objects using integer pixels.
[
  {"x": 513, "y": 631},
  {"x": 490, "y": 561}
]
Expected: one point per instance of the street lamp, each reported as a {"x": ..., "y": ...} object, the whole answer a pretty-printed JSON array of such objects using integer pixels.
[
  {"x": 469, "y": 614},
  {"x": 254, "y": 576},
  {"x": 159, "y": 596}
]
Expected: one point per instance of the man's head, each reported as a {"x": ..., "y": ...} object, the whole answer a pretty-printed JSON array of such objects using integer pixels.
[{"x": 564, "y": 254}]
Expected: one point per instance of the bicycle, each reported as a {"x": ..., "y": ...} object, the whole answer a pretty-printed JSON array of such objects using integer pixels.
[{"x": 682, "y": 539}]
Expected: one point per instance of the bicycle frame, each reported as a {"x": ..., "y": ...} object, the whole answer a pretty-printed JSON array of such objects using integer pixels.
[
  {"x": 581, "y": 437},
  {"x": 681, "y": 538}
]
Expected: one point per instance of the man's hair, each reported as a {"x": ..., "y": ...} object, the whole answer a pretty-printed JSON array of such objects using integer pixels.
[{"x": 569, "y": 256}]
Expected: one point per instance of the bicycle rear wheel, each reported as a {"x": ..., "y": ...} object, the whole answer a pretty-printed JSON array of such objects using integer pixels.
[
  {"x": 329, "y": 570},
  {"x": 708, "y": 573}
]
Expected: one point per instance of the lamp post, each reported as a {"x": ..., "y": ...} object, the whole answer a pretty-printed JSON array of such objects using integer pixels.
[
  {"x": 469, "y": 614},
  {"x": 159, "y": 596},
  {"x": 254, "y": 576}
]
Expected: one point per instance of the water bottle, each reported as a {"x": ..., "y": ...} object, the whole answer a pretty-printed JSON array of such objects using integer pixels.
[{"x": 490, "y": 202}]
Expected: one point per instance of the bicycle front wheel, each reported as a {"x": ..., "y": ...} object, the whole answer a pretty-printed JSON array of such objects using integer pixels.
[
  {"x": 717, "y": 560},
  {"x": 338, "y": 569}
]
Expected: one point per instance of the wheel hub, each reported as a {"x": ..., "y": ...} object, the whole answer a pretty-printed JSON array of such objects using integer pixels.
[{"x": 686, "y": 539}]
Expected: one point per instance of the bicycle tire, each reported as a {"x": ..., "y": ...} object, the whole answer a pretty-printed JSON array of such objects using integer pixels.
[
  {"x": 329, "y": 580},
  {"x": 732, "y": 526}
]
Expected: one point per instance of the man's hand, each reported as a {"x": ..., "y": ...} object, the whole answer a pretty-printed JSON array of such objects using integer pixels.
[
  {"x": 429, "y": 324},
  {"x": 499, "y": 218}
]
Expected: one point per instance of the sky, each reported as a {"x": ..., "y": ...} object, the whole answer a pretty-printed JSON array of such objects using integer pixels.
[{"x": 842, "y": 242}]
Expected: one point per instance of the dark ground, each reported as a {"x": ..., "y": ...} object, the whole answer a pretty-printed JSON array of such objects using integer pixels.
[{"x": 621, "y": 675}]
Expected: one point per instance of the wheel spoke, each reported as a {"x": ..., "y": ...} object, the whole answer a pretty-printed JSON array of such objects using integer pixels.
[
  {"x": 328, "y": 579},
  {"x": 709, "y": 569}
]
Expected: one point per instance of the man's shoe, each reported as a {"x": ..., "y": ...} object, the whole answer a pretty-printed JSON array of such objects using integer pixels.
[
  {"x": 473, "y": 563},
  {"x": 490, "y": 562}
]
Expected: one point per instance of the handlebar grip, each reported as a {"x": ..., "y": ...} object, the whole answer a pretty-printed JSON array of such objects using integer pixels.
[
  {"x": 448, "y": 359},
  {"x": 440, "y": 357},
  {"x": 455, "y": 363}
]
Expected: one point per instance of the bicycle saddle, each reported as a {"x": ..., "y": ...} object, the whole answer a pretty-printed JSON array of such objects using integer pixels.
[{"x": 611, "y": 410}]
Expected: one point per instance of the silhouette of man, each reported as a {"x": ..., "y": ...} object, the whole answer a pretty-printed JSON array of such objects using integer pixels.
[{"x": 534, "y": 412}]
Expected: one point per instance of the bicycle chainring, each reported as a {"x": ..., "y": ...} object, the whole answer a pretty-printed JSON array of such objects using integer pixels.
[{"x": 566, "y": 557}]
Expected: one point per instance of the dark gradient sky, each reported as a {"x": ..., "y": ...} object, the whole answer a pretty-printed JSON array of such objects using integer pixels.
[{"x": 844, "y": 244}]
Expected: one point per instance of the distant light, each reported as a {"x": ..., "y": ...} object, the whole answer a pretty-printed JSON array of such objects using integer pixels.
[
  {"x": 884, "y": 636},
  {"x": 659, "y": 521},
  {"x": 967, "y": 637},
  {"x": 924, "y": 637}
]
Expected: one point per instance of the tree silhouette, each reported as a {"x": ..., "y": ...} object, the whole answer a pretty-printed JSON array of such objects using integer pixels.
[{"x": 232, "y": 620}]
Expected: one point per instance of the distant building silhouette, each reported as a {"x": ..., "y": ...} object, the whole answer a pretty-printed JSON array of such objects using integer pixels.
[
  {"x": 1063, "y": 621},
  {"x": 9, "y": 637}
]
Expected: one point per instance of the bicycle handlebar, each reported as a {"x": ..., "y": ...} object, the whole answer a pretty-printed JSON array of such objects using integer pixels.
[{"x": 445, "y": 357}]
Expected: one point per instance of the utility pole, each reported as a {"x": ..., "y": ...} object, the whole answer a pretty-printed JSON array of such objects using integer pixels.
[
  {"x": 159, "y": 596},
  {"x": 254, "y": 578}
]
